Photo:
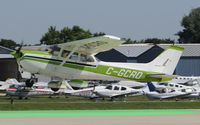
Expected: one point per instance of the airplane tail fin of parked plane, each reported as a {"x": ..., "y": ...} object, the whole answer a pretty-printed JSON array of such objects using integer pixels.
[
  {"x": 166, "y": 62},
  {"x": 151, "y": 87}
]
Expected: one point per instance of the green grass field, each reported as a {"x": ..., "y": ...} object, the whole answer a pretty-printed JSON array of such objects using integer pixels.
[{"x": 79, "y": 103}]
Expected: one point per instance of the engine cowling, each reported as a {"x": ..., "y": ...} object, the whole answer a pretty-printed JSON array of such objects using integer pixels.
[{"x": 54, "y": 85}]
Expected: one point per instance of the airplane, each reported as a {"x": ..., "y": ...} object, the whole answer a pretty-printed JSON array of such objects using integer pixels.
[
  {"x": 164, "y": 93},
  {"x": 187, "y": 80},
  {"x": 85, "y": 92},
  {"x": 76, "y": 61},
  {"x": 11, "y": 87},
  {"x": 26, "y": 92},
  {"x": 4, "y": 85},
  {"x": 116, "y": 91},
  {"x": 194, "y": 90}
]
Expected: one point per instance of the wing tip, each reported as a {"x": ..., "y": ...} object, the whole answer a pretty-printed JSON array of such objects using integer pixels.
[{"x": 112, "y": 37}]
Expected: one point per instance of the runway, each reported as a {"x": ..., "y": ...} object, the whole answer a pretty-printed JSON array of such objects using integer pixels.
[{"x": 142, "y": 117}]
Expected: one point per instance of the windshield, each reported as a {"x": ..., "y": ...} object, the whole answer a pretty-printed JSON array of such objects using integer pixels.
[{"x": 54, "y": 50}]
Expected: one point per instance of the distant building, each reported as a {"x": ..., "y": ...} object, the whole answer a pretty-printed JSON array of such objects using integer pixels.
[
  {"x": 8, "y": 65},
  {"x": 189, "y": 64}
]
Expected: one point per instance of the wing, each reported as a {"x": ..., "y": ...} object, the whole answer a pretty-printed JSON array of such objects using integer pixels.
[
  {"x": 126, "y": 94},
  {"x": 92, "y": 45},
  {"x": 177, "y": 96}
]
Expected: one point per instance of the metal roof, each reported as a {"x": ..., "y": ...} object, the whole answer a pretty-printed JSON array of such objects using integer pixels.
[
  {"x": 134, "y": 50},
  {"x": 4, "y": 50},
  {"x": 191, "y": 50},
  {"x": 3, "y": 56}
]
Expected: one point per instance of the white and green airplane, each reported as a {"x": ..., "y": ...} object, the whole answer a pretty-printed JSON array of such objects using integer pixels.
[{"x": 76, "y": 60}]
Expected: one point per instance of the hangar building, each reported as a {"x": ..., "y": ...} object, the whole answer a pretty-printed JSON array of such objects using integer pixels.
[{"x": 8, "y": 65}]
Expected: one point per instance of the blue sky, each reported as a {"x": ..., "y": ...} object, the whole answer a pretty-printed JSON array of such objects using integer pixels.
[{"x": 28, "y": 20}]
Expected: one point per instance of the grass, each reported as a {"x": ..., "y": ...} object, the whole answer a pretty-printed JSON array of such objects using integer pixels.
[{"x": 79, "y": 103}]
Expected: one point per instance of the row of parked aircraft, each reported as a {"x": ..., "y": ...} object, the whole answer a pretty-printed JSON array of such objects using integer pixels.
[
  {"x": 156, "y": 90},
  {"x": 76, "y": 61}
]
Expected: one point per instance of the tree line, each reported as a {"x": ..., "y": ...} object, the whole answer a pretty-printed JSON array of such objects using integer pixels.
[{"x": 189, "y": 34}]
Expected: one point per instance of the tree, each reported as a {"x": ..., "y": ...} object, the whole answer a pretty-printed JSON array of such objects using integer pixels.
[
  {"x": 191, "y": 24},
  {"x": 149, "y": 40},
  {"x": 51, "y": 37},
  {"x": 66, "y": 34},
  {"x": 157, "y": 41},
  {"x": 129, "y": 41},
  {"x": 98, "y": 34},
  {"x": 8, "y": 43}
]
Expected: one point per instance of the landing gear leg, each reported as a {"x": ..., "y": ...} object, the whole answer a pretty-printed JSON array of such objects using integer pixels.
[{"x": 31, "y": 81}]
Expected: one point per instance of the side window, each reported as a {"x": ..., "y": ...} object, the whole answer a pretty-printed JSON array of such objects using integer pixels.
[
  {"x": 116, "y": 88},
  {"x": 65, "y": 53},
  {"x": 86, "y": 58},
  {"x": 83, "y": 58},
  {"x": 90, "y": 59},
  {"x": 183, "y": 90},
  {"x": 74, "y": 56},
  {"x": 123, "y": 88}
]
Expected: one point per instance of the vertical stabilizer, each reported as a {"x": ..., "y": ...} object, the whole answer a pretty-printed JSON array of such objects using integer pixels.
[
  {"x": 166, "y": 62},
  {"x": 152, "y": 88}
]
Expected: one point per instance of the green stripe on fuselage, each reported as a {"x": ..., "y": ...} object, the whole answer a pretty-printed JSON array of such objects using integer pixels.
[{"x": 123, "y": 73}]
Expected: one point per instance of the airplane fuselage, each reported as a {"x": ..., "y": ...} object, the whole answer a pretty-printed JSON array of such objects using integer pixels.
[{"x": 53, "y": 66}]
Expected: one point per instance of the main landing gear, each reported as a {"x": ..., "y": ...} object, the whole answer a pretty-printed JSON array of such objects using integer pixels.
[{"x": 31, "y": 81}]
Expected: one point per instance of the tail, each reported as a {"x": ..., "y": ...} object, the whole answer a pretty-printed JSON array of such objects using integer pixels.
[
  {"x": 166, "y": 62},
  {"x": 152, "y": 88}
]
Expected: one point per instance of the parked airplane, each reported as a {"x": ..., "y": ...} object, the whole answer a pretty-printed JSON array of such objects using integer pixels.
[
  {"x": 187, "y": 80},
  {"x": 9, "y": 82},
  {"x": 164, "y": 93},
  {"x": 85, "y": 92},
  {"x": 116, "y": 91},
  {"x": 76, "y": 60},
  {"x": 194, "y": 90}
]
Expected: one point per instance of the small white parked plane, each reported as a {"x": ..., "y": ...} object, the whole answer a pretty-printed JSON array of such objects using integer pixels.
[
  {"x": 194, "y": 90},
  {"x": 117, "y": 91},
  {"x": 76, "y": 60},
  {"x": 187, "y": 80},
  {"x": 164, "y": 93}
]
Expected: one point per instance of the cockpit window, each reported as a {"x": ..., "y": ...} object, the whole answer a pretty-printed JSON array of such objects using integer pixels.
[
  {"x": 54, "y": 50},
  {"x": 161, "y": 83},
  {"x": 109, "y": 87}
]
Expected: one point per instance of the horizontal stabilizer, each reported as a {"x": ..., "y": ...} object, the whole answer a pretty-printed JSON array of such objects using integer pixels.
[{"x": 160, "y": 76}]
